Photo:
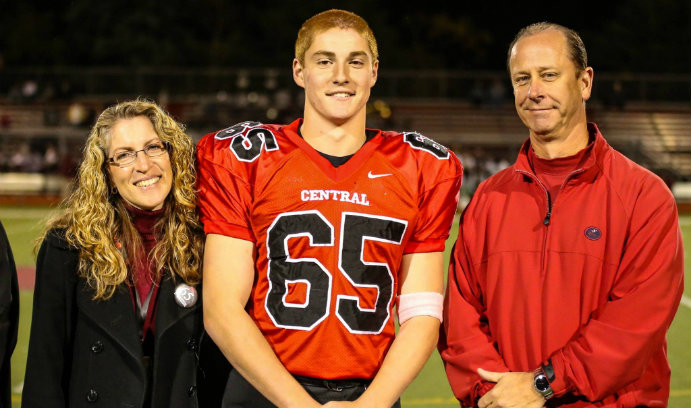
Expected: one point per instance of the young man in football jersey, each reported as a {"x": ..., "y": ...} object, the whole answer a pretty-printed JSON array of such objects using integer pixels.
[{"x": 316, "y": 229}]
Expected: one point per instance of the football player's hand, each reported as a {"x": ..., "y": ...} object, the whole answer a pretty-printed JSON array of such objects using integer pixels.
[{"x": 513, "y": 389}]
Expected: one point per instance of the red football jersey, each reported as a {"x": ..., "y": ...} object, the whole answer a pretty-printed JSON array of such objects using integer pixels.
[{"x": 329, "y": 240}]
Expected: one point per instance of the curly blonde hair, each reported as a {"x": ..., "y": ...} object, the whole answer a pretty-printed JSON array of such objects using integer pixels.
[{"x": 94, "y": 215}]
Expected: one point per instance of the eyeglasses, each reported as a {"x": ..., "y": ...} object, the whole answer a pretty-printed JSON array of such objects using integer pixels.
[{"x": 127, "y": 157}]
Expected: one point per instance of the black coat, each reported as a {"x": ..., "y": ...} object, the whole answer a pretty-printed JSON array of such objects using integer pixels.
[
  {"x": 86, "y": 353},
  {"x": 9, "y": 315}
]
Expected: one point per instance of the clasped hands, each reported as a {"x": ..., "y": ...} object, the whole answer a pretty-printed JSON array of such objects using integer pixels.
[{"x": 512, "y": 389}]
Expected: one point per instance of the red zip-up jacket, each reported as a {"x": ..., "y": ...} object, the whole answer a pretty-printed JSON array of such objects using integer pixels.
[{"x": 591, "y": 281}]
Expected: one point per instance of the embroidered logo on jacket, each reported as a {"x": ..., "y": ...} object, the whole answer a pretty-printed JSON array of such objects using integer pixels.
[{"x": 593, "y": 233}]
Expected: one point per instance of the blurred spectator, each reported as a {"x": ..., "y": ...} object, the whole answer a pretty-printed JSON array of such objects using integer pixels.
[
  {"x": 50, "y": 159},
  {"x": 495, "y": 164},
  {"x": 283, "y": 104},
  {"x": 77, "y": 114},
  {"x": 24, "y": 160},
  {"x": 479, "y": 164},
  {"x": 477, "y": 93},
  {"x": 29, "y": 90},
  {"x": 20, "y": 158},
  {"x": 24, "y": 92},
  {"x": 497, "y": 93}
]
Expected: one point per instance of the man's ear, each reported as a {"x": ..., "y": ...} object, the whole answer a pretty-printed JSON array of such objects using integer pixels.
[
  {"x": 298, "y": 73},
  {"x": 586, "y": 83}
]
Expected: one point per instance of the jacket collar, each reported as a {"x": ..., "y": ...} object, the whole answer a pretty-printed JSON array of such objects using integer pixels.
[
  {"x": 117, "y": 318},
  {"x": 598, "y": 151}
]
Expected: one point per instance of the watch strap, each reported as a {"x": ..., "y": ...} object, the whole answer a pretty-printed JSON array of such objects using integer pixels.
[{"x": 548, "y": 370}]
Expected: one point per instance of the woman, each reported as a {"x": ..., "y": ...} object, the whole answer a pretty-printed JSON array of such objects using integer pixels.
[{"x": 117, "y": 317}]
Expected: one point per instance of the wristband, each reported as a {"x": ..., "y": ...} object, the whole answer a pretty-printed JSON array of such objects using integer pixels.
[{"x": 420, "y": 304}]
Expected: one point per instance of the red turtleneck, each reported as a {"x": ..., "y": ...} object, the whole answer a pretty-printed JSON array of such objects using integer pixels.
[
  {"x": 143, "y": 272},
  {"x": 553, "y": 172}
]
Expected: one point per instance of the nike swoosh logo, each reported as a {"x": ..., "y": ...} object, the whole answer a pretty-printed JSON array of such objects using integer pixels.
[{"x": 373, "y": 176}]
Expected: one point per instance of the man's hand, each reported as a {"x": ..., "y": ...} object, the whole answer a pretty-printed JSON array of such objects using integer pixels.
[{"x": 513, "y": 389}]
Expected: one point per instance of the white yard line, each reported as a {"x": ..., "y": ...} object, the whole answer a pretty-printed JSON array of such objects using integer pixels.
[{"x": 686, "y": 301}]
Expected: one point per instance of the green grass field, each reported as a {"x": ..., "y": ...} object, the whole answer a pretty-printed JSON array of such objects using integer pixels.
[{"x": 430, "y": 389}]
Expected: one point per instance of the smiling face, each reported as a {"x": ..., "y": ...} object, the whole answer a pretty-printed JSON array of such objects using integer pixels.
[
  {"x": 549, "y": 94},
  {"x": 147, "y": 181},
  {"x": 337, "y": 75}
]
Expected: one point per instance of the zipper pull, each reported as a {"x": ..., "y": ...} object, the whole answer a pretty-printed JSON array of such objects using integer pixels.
[
  {"x": 549, "y": 209},
  {"x": 547, "y": 217}
]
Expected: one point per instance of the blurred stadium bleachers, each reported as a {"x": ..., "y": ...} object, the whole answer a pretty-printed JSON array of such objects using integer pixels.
[{"x": 45, "y": 114}]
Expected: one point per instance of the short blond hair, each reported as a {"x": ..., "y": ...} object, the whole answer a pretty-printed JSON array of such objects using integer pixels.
[{"x": 327, "y": 20}]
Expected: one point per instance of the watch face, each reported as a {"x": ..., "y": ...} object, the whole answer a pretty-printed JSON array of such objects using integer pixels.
[{"x": 541, "y": 383}]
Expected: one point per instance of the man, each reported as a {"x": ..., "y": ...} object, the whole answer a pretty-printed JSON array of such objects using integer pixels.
[
  {"x": 314, "y": 228},
  {"x": 568, "y": 268}
]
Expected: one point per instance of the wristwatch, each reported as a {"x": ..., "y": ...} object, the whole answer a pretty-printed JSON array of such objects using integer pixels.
[{"x": 541, "y": 383}]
